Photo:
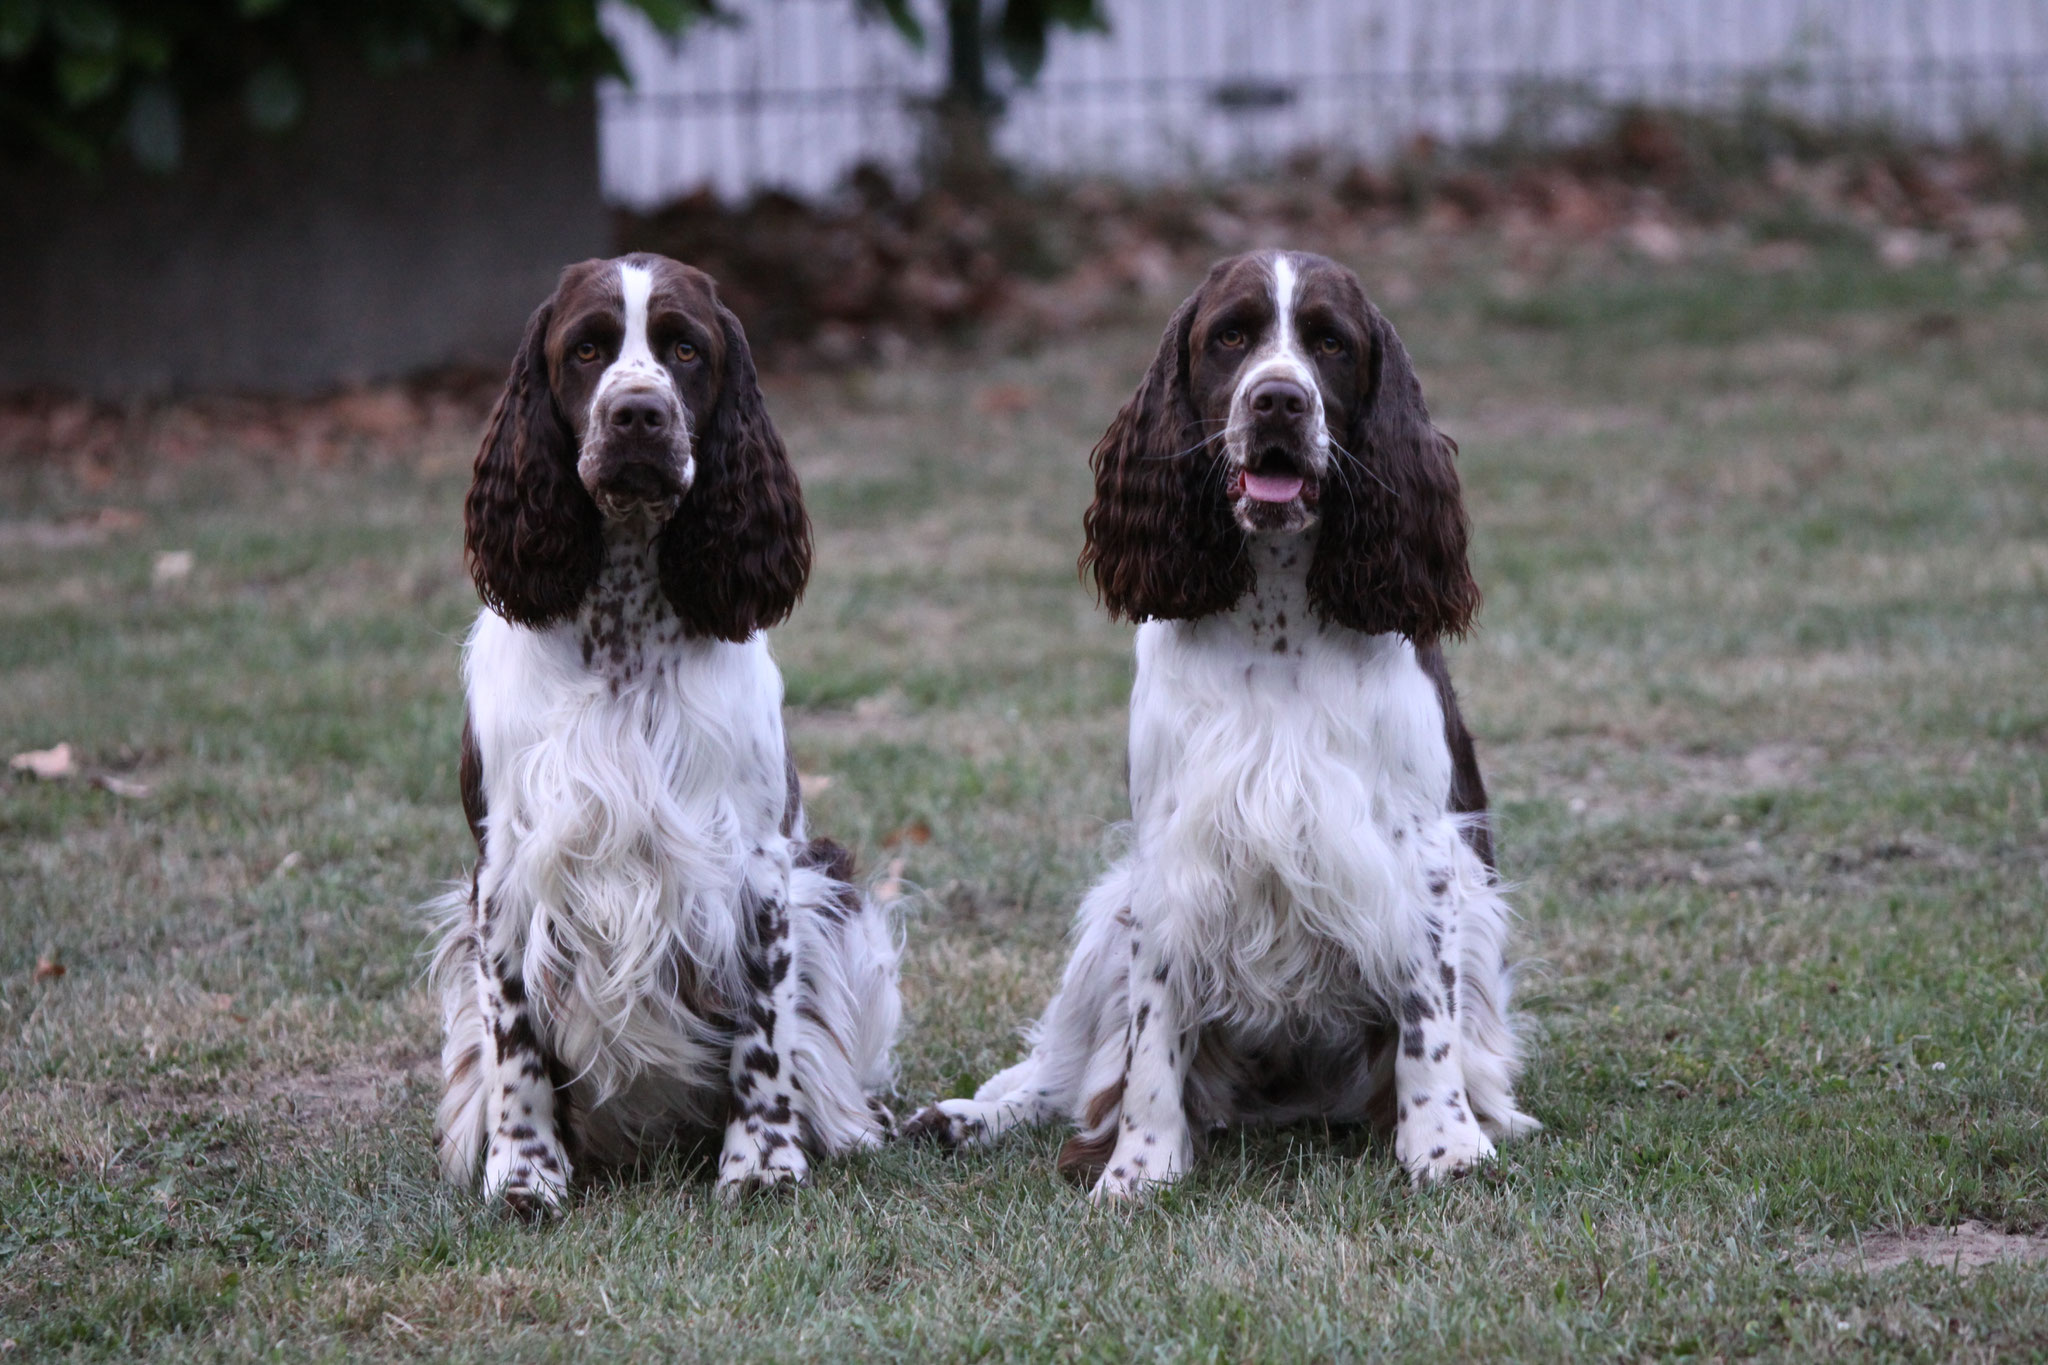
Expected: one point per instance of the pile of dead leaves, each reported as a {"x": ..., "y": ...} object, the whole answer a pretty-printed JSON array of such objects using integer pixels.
[
  {"x": 95, "y": 441},
  {"x": 862, "y": 277},
  {"x": 878, "y": 271}
]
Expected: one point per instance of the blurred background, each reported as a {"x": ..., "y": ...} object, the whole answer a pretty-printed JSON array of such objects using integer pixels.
[{"x": 294, "y": 196}]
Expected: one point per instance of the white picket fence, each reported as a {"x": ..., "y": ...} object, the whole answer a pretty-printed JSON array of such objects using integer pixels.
[{"x": 795, "y": 93}]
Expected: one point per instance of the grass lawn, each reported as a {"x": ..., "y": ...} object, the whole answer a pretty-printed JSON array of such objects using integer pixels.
[{"x": 1762, "y": 690}]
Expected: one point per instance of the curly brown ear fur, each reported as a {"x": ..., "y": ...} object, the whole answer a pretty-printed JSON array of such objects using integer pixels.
[
  {"x": 736, "y": 555},
  {"x": 1391, "y": 552},
  {"x": 533, "y": 537},
  {"x": 1161, "y": 541}
]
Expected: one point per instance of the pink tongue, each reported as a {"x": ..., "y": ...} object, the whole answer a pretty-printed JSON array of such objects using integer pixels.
[{"x": 1271, "y": 487}]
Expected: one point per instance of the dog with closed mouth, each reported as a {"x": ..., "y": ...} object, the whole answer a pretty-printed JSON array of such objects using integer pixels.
[{"x": 650, "y": 942}]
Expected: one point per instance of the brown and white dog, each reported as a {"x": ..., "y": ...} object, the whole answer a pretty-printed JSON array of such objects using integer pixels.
[
  {"x": 649, "y": 942},
  {"x": 1306, "y": 923}
]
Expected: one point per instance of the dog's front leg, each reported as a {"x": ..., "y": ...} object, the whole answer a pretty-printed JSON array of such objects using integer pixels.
[
  {"x": 1153, "y": 1146},
  {"x": 526, "y": 1164},
  {"x": 1435, "y": 1135},
  {"x": 764, "y": 1138}
]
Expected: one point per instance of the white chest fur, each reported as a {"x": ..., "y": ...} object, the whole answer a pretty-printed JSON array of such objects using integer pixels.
[
  {"x": 1289, "y": 782},
  {"x": 634, "y": 784}
]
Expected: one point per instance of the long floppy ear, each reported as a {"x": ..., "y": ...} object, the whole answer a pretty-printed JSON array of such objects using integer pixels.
[
  {"x": 533, "y": 537},
  {"x": 737, "y": 553},
  {"x": 1391, "y": 553},
  {"x": 1161, "y": 542}
]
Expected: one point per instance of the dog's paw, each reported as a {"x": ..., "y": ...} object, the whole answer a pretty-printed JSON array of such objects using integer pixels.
[
  {"x": 1141, "y": 1163},
  {"x": 531, "y": 1183},
  {"x": 884, "y": 1125},
  {"x": 950, "y": 1123},
  {"x": 1443, "y": 1152},
  {"x": 767, "y": 1160},
  {"x": 1122, "y": 1185},
  {"x": 526, "y": 1173}
]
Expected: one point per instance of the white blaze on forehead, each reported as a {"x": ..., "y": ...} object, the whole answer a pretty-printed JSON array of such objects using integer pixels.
[
  {"x": 1284, "y": 285},
  {"x": 1279, "y": 357},
  {"x": 636, "y": 282},
  {"x": 1279, "y": 354},
  {"x": 636, "y": 366},
  {"x": 636, "y": 369}
]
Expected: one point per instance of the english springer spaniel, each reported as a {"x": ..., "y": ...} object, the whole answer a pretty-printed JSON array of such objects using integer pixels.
[
  {"x": 1306, "y": 923},
  {"x": 649, "y": 942}
]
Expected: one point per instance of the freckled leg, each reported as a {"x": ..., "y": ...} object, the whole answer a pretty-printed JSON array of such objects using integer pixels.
[
  {"x": 763, "y": 1139},
  {"x": 1021, "y": 1100},
  {"x": 1153, "y": 1146},
  {"x": 1435, "y": 1135},
  {"x": 525, "y": 1165}
]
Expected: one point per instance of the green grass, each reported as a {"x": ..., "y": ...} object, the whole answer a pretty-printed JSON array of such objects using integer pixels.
[{"x": 1760, "y": 690}]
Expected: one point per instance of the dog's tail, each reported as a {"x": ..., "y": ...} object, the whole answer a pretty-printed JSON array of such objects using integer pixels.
[
  {"x": 459, "y": 1123},
  {"x": 849, "y": 1007}
]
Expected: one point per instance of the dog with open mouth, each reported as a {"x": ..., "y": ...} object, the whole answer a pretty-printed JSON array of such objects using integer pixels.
[{"x": 1307, "y": 923}]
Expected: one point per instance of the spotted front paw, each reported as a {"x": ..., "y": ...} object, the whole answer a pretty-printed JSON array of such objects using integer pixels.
[
  {"x": 527, "y": 1176},
  {"x": 950, "y": 1123},
  {"x": 1440, "y": 1148},
  {"x": 882, "y": 1126},
  {"x": 759, "y": 1159},
  {"x": 1141, "y": 1163}
]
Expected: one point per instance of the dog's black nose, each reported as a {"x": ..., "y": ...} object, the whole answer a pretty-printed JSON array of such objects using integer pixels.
[
  {"x": 639, "y": 414},
  {"x": 1278, "y": 397}
]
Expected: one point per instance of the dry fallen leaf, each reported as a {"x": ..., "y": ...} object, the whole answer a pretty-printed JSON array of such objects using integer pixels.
[
  {"x": 916, "y": 832},
  {"x": 47, "y": 764},
  {"x": 813, "y": 785},
  {"x": 120, "y": 786},
  {"x": 172, "y": 566},
  {"x": 1002, "y": 400},
  {"x": 48, "y": 968},
  {"x": 890, "y": 887}
]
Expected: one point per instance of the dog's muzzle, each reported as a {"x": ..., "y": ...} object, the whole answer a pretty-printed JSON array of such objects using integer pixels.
[
  {"x": 1274, "y": 488},
  {"x": 637, "y": 460}
]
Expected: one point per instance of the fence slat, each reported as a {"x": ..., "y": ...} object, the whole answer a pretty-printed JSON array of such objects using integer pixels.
[{"x": 800, "y": 91}]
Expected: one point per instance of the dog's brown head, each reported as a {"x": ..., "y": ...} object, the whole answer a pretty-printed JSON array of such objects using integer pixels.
[
  {"x": 633, "y": 397},
  {"x": 1281, "y": 400}
]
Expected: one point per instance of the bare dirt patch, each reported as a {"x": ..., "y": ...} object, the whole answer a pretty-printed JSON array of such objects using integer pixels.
[
  {"x": 362, "y": 1088},
  {"x": 1966, "y": 1247}
]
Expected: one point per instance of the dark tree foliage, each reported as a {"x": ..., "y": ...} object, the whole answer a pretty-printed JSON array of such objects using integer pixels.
[
  {"x": 81, "y": 78},
  {"x": 959, "y": 151},
  {"x": 1015, "y": 29}
]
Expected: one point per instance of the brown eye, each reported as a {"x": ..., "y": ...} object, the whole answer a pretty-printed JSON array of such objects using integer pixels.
[
  {"x": 1330, "y": 344},
  {"x": 1232, "y": 337},
  {"x": 587, "y": 352},
  {"x": 685, "y": 352}
]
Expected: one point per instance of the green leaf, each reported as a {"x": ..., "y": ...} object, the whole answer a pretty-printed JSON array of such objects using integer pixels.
[
  {"x": 148, "y": 48},
  {"x": 273, "y": 99},
  {"x": 1079, "y": 15},
  {"x": 899, "y": 14},
  {"x": 84, "y": 77},
  {"x": 673, "y": 16},
  {"x": 494, "y": 15},
  {"x": 155, "y": 128},
  {"x": 1025, "y": 25},
  {"x": 20, "y": 21},
  {"x": 86, "y": 25}
]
